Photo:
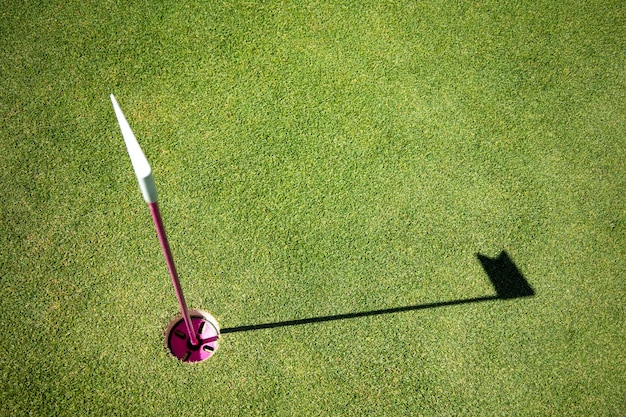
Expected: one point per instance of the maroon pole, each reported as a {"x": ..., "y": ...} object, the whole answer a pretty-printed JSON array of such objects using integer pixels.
[{"x": 169, "y": 259}]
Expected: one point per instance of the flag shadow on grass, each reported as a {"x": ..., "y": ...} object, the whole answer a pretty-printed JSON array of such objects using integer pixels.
[{"x": 504, "y": 275}]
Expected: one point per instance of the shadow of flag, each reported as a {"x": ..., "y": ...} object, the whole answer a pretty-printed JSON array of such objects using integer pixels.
[{"x": 507, "y": 280}]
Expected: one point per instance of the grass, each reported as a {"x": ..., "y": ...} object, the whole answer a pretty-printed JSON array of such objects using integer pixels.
[{"x": 314, "y": 160}]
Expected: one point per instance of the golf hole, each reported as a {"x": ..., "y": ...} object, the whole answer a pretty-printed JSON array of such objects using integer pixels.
[{"x": 178, "y": 342}]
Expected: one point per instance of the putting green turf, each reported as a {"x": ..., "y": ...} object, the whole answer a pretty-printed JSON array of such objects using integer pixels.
[{"x": 314, "y": 159}]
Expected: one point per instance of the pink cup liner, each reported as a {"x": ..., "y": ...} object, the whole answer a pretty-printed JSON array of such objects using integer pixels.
[{"x": 178, "y": 342}]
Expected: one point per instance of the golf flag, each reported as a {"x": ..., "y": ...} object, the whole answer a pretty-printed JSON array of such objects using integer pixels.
[
  {"x": 148, "y": 190},
  {"x": 137, "y": 157}
]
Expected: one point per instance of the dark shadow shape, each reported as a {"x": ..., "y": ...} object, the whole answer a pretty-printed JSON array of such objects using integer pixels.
[
  {"x": 505, "y": 277},
  {"x": 355, "y": 315},
  {"x": 502, "y": 272}
]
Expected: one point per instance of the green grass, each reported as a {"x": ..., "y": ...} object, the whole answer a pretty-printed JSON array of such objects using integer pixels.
[{"x": 312, "y": 160}]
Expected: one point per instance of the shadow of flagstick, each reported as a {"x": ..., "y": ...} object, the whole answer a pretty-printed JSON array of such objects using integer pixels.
[
  {"x": 504, "y": 275},
  {"x": 355, "y": 315}
]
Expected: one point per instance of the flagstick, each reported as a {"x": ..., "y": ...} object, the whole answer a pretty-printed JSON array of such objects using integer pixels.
[
  {"x": 169, "y": 259},
  {"x": 143, "y": 172}
]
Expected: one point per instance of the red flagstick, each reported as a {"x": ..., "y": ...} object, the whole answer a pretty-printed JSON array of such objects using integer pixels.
[{"x": 148, "y": 189}]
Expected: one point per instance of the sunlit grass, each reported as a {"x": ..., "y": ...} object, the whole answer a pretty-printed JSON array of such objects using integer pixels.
[{"x": 314, "y": 160}]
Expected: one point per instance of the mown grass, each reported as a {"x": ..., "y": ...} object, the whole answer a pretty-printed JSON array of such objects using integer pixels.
[{"x": 312, "y": 160}]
